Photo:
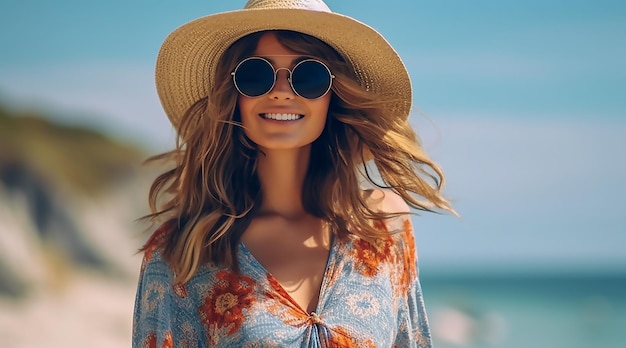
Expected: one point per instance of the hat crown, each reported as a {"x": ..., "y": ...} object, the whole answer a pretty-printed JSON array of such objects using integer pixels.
[{"x": 314, "y": 5}]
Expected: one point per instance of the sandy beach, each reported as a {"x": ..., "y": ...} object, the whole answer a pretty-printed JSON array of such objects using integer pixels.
[{"x": 89, "y": 312}]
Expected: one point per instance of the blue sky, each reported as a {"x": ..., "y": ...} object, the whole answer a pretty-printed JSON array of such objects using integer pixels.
[{"x": 522, "y": 102}]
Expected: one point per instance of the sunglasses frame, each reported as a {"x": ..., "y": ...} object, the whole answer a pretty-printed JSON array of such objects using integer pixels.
[{"x": 290, "y": 71}]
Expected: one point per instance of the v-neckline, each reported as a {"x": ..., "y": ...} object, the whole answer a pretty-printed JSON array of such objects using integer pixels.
[{"x": 258, "y": 268}]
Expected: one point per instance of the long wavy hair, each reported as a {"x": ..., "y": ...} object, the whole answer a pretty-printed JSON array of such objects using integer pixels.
[{"x": 212, "y": 192}]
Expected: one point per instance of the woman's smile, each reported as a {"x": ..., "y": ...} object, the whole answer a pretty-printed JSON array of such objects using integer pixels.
[{"x": 281, "y": 116}]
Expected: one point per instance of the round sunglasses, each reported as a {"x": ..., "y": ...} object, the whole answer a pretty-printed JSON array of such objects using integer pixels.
[{"x": 256, "y": 76}]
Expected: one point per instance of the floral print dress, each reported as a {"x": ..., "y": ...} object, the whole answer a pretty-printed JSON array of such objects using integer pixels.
[{"x": 370, "y": 297}]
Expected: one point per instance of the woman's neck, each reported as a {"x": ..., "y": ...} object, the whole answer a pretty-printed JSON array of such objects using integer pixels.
[{"x": 282, "y": 173}]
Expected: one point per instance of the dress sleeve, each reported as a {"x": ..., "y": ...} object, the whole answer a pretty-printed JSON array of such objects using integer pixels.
[
  {"x": 413, "y": 328},
  {"x": 152, "y": 319}
]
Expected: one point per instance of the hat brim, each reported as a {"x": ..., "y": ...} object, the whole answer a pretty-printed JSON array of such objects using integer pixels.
[{"x": 188, "y": 58}]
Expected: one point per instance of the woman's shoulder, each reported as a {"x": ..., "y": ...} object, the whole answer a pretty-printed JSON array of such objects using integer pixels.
[
  {"x": 388, "y": 202},
  {"x": 152, "y": 249},
  {"x": 157, "y": 263},
  {"x": 156, "y": 270},
  {"x": 398, "y": 225},
  {"x": 385, "y": 201}
]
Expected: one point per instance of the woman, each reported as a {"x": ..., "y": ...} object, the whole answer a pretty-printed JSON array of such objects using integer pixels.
[{"x": 267, "y": 236}]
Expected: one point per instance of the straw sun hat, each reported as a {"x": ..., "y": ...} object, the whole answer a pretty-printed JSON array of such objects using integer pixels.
[{"x": 188, "y": 58}]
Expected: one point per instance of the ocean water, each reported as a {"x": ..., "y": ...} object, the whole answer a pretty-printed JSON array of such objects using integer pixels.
[{"x": 538, "y": 311}]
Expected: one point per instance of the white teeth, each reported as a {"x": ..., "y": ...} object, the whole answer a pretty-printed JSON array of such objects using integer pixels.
[{"x": 282, "y": 117}]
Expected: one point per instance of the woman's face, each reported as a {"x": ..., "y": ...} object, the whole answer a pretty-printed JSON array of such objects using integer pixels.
[{"x": 281, "y": 119}]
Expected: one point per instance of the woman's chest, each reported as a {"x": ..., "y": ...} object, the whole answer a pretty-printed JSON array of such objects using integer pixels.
[{"x": 294, "y": 255}]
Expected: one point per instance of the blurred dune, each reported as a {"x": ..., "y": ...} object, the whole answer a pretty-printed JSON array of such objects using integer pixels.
[{"x": 69, "y": 199}]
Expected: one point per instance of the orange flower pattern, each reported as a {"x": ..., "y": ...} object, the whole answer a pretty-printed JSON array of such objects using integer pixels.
[
  {"x": 151, "y": 341},
  {"x": 224, "y": 307},
  {"x": 371, "y": 256},
  {"x": 342, "y": 339},
  {"x": 370, "y": 297}
]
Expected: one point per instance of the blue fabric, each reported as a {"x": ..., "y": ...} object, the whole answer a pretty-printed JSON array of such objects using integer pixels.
[{"x": 370, "y": 297}]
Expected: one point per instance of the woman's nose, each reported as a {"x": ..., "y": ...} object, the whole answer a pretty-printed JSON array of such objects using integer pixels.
[{"x": 282, "y": 87}]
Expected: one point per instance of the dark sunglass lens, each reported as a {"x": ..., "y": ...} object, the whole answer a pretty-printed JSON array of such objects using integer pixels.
[
  {"x": 311, "y": 79},
  {"x": 254, "y": 77}
]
